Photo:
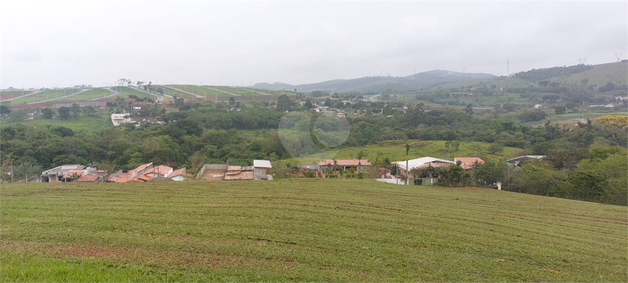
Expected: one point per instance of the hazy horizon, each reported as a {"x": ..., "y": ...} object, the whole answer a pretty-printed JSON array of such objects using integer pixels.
[{"x": 66, "y": 43}]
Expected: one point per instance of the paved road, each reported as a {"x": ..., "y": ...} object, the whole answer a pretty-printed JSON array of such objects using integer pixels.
[{"x": 56, "y": 98}]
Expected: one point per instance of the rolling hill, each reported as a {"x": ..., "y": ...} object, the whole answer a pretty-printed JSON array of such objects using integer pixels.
[{"x": 380, "y": 84}]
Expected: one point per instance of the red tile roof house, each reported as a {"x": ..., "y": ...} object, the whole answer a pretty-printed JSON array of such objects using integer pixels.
[
  {"x": 128, "y": 176},
  {"x": 180, "y": 175},
  {"x": 468, "y": 163},
  {"x": 346, "y": 164}
]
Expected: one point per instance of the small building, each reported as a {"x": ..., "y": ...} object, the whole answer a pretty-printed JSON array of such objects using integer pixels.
[
  {"x": 59, "y": 173},
  {"x": 421, "y": 163},
  {"x": 118, "y": 119},
  {"x": 179, "y": 175},
  {"x": 517, "y": 161},
  {"x": 72, "y": 172},
  {"x": 260, "y": 168},
  {"x": 537, "y": 106}
]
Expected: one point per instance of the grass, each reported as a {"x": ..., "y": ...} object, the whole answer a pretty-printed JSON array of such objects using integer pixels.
[
  {"x": 76, "y": 124},
  {"x": 396, "y": 151},
  {"x": 44, "y": 95},
  {"x": 201, "y": 90},
  {"x": 90, "y": 94},
  {"x": 173, "y": 92},
  {"x": 124, "y": 92},
  {"x": 237, "y": 90},
  {"x": 303, "y": 230}
]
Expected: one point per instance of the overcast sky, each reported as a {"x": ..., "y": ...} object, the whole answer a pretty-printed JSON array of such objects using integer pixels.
[{"x": 63, "y": 43}]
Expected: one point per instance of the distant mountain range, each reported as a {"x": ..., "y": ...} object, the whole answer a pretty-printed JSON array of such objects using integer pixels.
[{"x": 379, "y": 84}]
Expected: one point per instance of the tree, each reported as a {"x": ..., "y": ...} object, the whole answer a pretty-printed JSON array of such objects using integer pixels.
[
  {"x": 490, "y": 173},
  {"x": 495, "y": 148},
  {"x": 283, "y": 103},
  {"x": 47, "y": 113},
  {"x": 75, "y": 110},
  {"x": 469, "y": 109},
  {"x": 232, "y": 100},
  {"x": 308, "y": 104},
  {"x": 612, "y": 123},
  {"x": 4, "y": 110},
  {"x": 560, "y": 110},
  {"x": 89, "y": 111},
  {"x": 64, "y": 113}
]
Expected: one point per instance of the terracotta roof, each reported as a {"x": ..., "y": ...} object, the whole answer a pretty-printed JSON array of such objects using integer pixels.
[
  {"x": 140, "y": 168},
  {"x": 87, "y": 178},
  {"x": 467, "y": 162},
  {"x": 345, "y": 162},
  {"x": 161, "y": 169},
  {"x": 72, "y": 172},
  {"x": 123, "y": 178},
  {"x": 180, "y": 171}
]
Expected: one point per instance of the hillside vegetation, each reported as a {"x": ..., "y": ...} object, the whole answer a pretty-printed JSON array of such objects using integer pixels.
[{"x": 304, "y": 230}]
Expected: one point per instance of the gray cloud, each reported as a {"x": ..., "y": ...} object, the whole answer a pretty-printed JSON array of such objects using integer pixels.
[{"x": 233, "y": 43}]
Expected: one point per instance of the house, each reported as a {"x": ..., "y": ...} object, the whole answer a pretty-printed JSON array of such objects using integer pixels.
[
  {"x": 332, "y": 166},
  {"x": 421, "y": 163},
  {"x": 340, "y": 114},
  {"x": 468, "y": 163},
  {"x": 260, "y": 168},
  {"x": 120, "y": 177},
  {"x": 72, "y": 172},
  {"x": 179, "y": 175},
  {"x": 118, "y": 119},
  {"x": 59, "y": 173},
  {"x": 537, "y": 106},
  {"x": 517, "y": 161}
]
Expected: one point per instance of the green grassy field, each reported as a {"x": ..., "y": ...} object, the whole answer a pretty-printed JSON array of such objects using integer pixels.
[
  {"x": 304, "y": 230},
  {"x": 76, "y": 124},
  {"x": 90, "y": 94},
  {"x": 237, "y": 90},
  {"x": 126, "y": 91},
  {"x": 176, "y": 93},
  {"x": 48, "y": 94},
  {"x": 200, "y": 90}
]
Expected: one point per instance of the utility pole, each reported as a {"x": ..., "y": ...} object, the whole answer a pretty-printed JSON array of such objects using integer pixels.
[{"x": 11, "y": 160}]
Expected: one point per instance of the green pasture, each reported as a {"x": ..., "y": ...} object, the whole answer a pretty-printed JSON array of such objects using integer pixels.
[
  {"x": 304, "y": 230},
  {"x": 76, "y": 124},
  {"x": 88, "y": 95},
  {"x": 236, "y": 90},
  {"x": 44, "y": 95},
  {"x": 200, "y": 90},
  {"x": 124, "y": 92},
  {"x": 174, "y": 92}
]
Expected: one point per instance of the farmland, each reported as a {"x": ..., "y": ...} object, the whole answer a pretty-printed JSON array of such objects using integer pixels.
[{"x": 304, "y": 230}]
